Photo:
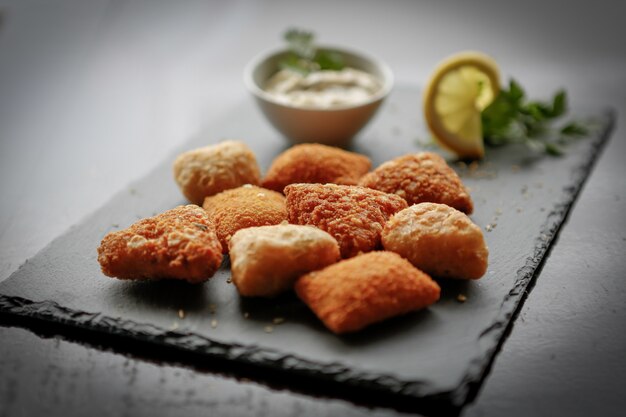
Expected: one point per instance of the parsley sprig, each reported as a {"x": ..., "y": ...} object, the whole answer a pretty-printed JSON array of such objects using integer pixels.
[
  {"x": 510, "y": 118},
  {"x": 304, "y": 57}
]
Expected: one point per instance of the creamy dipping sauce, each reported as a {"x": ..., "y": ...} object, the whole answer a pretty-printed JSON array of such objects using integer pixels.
[{"x": 323, "y": 89}]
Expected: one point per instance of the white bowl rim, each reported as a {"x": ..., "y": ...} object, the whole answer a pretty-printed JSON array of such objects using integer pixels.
[{"x": 251, "y": 85}]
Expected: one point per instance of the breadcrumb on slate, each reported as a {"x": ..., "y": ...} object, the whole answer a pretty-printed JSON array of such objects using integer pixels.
[
  {"x": 315, "y": 163},
  {"x": 353, "y": 215},
  {"x": 242, "y": 207},
  {"x": 212, "y": 169},
  {"x": 439, "y": 240},
  {"x": 354, "y": 293},
  {"x": 418, "y": 178},
  {"x": 180, "y": 243},
  {"x": 267, "y": 260}
]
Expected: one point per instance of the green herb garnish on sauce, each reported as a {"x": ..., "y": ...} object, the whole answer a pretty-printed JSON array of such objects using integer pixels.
[{"x": 304, "y": 57}]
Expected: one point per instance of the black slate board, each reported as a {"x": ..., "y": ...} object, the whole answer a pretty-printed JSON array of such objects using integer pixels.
[{"x": 439, "y": 354}]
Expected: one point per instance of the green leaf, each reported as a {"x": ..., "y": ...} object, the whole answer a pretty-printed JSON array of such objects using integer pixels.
[
  {"x": 516, "y": 93},
  {"x": 304, "y": 57},
  {"x": 300, "y": 42},
  {"x": 294, "y": 63},
  {"x": 553, "y": 149},
  {"x": 328, "y": 60},
  {"x": 559, "y": 104},
  {"x": 573, "y": 129},
  {"x": 512, "y": 119}
]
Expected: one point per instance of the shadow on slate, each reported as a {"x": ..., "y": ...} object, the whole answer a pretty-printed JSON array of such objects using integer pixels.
[{"x": 429, "y": 360}]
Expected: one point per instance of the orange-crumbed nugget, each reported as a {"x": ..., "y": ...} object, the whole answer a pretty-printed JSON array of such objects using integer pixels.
[
  {"x": 353, "y": 215},
  {"x": 418, "y": 178},
  {"x": 267, "y": 260},
  {"x": 180, "y": 244},
  {"x": 212, "y": 169},
  {"x": 357, "y": 292},
  {"x": 439, "y": 240},
  {"x": 315, "y": 163},
  {"x": 242, "y": 207}
]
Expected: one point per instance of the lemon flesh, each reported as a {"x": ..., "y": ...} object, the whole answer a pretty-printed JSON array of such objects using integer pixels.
[{"x": 459, "y": 89}]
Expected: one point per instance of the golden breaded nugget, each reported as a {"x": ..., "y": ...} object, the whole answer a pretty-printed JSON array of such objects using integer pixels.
[
  {"x": 353, "y": 215},
  {"x": 357, "y": 292},
  {"x": 419, "y": 178},
  {"x": 180, "y": 244},
  {"x": 315, "y": 163},
  {"x": 242, "y": 207},
  {"x": 212, "y": 169},
  {"x": 439, "y": 240},
  {"x": 267, "y": 260}
]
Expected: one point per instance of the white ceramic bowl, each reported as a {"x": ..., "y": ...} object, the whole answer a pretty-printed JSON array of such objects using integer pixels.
[{"x": 335, "y": 126}]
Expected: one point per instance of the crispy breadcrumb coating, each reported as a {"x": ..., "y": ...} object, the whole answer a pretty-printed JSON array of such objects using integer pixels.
[
  {"x": 267, "y": 260},
  {"x": 353, "y": 215},
  {"x": 439, "y": 240},
  {"x": 179, "y": 244},
  {"x": 212, "y": 169},
  {"x": 418, "y": 178},
  {"x": 354, "y": 293},
  {"x": 242, "y": 207},
  {"x": 315, "y": 163}
]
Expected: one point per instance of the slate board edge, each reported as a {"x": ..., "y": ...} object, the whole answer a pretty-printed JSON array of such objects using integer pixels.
[
  {"x": 499, "y": 330},
  {"x": 496, "y": 332}
]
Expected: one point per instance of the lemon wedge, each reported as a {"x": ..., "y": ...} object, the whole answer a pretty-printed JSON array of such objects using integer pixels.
[{"x": 461, "y": 86}]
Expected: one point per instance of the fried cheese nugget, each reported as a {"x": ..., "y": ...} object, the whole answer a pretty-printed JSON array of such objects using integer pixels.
[
  {"x": 354, "y": 293},
  {"x": 439, "y": 240},
  {"x": 243, "y": 207},
  {"x": 179, "y": 244},
  {"x": 267, "y": 260},
  {"x": 353, "y": 215},
  {"x": 418, "y": 178},
  {"x": 212, "y": 169},
  {"x": 315, "y": 163}
]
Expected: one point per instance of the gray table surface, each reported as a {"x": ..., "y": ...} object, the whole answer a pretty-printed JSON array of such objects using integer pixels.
[{"x": 93, "y": 94}]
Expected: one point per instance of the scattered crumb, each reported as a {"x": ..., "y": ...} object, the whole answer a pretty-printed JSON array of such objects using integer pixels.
[
  {"x": 269, "y": 329},
  {"x": 212, "y": 308},
  {"x": 181, "y": 314},
  {"x": 214, "y": 323},
  {"x": 498, "y": 211},
  {"x": 490, "y": 226},
  {"x": 278, "y": 320},
  {"x": 475, "y": 170},
  {"x": 461, "y": 298},
  {"x": 229, "y": 280}
]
